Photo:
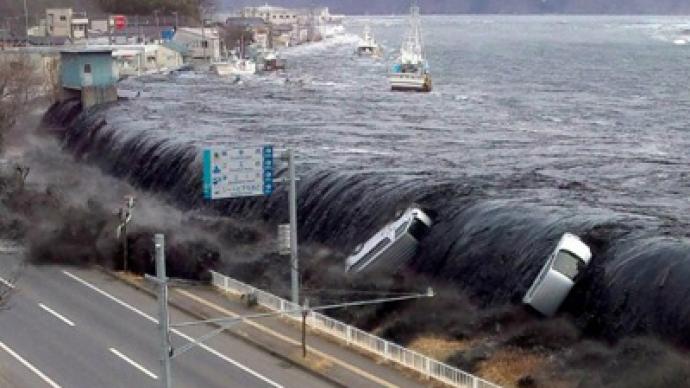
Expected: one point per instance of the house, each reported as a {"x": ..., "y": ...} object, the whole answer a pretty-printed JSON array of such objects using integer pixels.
[
  {"x": 140, "y": 59},
  {"x": 202, "y": 43},
  {"x": 59, "y": 22},
  {"x": 89, "y": 74},
  {"x": 79, "y": 27}
]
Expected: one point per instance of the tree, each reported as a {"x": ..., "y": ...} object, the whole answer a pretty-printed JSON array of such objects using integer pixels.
[
  {"x": 18, "y": 84},
  {"x": 232, "y": 36}
]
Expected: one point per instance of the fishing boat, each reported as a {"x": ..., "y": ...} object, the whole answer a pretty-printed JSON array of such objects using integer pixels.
[
  {"x": 368, "y": 45},
  {"x": 411, "y": 71}
]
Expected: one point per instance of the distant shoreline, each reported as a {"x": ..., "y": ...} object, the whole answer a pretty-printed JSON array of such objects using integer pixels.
[{"x": 226, "y": 14}]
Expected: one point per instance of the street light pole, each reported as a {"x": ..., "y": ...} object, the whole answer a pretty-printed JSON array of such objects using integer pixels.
[
  {"x": 163, "y": 316},
  {"x": 292, "y": 198}
]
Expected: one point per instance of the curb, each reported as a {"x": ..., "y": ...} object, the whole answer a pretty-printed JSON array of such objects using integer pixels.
[{"x": 241, "y": 336}]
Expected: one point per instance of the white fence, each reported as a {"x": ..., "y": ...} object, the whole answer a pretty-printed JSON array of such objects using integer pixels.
[{"x": 359, "y": 338}]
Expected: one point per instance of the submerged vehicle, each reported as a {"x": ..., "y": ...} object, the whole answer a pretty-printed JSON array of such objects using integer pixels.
[
  {"x": 368, "y": 45},
  {"x": 558, "y": 275},
  {"x": 411, "y": 72},
  {"x": 392, "y": 246}
]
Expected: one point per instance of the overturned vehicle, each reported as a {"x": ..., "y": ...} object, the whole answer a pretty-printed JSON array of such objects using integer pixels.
[
  {"x": 558, "y": 275},
  {"x": 393, "y": 246}
]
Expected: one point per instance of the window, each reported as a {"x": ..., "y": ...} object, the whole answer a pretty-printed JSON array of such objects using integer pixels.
[
  {"x": 373, "y": 252},
  {"x": 87, "y": 68},
  {"x": 401, "y": 229},
  {"x": 63, "y": 18},
  {"x": 567, "y": 264},
  {"x": 204, "y": 43}
]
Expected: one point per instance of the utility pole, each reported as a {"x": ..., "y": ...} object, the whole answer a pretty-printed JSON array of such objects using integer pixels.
[
  {"x": 26, "y": 24},
  {"x": 203, "y": 37},
  {"x": 292, "y": 198},
  {"x": 163, "y": 316},
  {"x": 176, "y": 19}
]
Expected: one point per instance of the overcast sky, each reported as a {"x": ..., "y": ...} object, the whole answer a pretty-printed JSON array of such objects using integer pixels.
[{"x": 487, "y": 6}]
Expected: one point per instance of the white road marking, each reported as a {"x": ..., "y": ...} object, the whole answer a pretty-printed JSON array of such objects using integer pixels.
[
  {"x": 174, "y": 331},
  {"x": 289, "y": 340},
  {"x": 56, "y": 315},
  {"x": 134, "y": 364},
  {"x": 6, "y": 283},
  {"x": 28, "y": 365}
]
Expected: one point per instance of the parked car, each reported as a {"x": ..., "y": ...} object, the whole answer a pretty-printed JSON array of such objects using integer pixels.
[
  {"x": 558, "y": 276},
  {"x": 392, "y": 246}
]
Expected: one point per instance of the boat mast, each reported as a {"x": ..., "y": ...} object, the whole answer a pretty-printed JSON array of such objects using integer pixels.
[{"x": 411, "y": 51}]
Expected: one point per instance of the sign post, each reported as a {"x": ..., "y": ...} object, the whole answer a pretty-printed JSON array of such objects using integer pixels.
[{"x": 249, "y": 172}]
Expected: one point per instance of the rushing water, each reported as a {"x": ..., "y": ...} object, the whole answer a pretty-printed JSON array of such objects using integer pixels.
[{"x": 536, "y": 126}]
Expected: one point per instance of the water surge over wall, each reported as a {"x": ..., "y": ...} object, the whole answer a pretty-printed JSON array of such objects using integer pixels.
[{"x": 490, "y": 247}]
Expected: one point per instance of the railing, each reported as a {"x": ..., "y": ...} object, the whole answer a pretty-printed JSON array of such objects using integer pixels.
[{"x": 359, "y": 338}]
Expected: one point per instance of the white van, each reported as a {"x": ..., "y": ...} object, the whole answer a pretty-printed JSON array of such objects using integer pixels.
[
  {"x": 391, "y": 247},
  {"x": 558, "y": 275}
]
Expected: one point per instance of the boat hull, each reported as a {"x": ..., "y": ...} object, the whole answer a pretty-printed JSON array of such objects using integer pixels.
[{"x": 410, "y": 82}]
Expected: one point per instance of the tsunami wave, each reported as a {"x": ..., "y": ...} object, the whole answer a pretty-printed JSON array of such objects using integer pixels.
[{"x": 491, "y": 248}]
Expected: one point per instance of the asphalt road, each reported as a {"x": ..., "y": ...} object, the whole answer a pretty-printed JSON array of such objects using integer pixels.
[{"x": 68, "y": 327}]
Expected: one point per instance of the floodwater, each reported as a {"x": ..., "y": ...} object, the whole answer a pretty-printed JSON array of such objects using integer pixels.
[{"x": 536, "y": 126}]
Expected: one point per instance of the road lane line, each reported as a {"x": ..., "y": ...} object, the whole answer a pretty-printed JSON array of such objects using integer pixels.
[
  {"x": 6, "y": 283},
  {"x": 56, "y": 315},
  {"x": 28, "y": 365},
  {"x": 174, "y": 331},
  {"x": 134, "y": 364},
  {"x": 289, "y": 340}
]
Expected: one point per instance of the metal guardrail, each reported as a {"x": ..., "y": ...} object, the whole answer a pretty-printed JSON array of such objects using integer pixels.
[{"x": 355, "y": 337}]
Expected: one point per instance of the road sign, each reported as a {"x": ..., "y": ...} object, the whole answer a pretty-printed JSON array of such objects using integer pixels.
[
  {"x": 120, "y": 22},
  {"x": 238, "y": 172}
]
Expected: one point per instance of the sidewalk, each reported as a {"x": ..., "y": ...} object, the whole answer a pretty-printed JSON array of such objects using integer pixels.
[{"x": 336, "y": 362}]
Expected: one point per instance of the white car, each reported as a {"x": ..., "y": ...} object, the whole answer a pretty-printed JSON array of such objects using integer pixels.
[
  {"x": 558, "y": 275},
  {"x": 391, "y": 247}
]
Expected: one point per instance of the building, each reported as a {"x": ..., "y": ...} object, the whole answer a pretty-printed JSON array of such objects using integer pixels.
[
  {"x": 273, "y": 15},
  {"x": 89, "y": 74},
  {"x": 201, "y": 43},
  {"x": 99, "y": 26},
  {"x": 79, "y": 27},
  {"x": 59, "y": 22},
  {"x": 140, "y": 59}
]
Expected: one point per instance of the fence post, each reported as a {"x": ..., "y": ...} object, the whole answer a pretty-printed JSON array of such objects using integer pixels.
[
  {"x": 349, "y": 335},
  {"x": 475, "y": 382},
  {"x": 225, "y": 284},
  {"x": 427, "y": 366},
  {"x": 385, "y": 350}
]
